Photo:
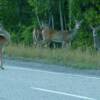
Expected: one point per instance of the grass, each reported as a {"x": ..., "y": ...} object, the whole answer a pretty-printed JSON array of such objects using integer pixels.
[{"x": 72, "y": 58}]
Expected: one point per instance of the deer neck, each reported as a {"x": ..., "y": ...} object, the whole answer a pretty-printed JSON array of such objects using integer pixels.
[{"x": 73, "y": 33}]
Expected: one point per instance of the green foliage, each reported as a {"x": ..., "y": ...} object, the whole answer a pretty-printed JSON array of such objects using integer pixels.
[
  {"x": 20, "y": 17},
  {"x": 27, "y": 37},
  {"x": 8, "y": 12}
]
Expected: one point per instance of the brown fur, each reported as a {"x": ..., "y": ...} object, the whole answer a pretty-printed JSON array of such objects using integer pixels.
[
  {"x": 2, "y": 40},
  {"x": 54, "y": 35}
]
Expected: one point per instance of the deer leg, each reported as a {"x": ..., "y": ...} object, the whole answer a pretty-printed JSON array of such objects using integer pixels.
[
  {"x": 70, "y": 44},
  {"x": 1, "y": 59},
  {"x": 63, "y": 44},
  {"x": 54, "y": 45}
]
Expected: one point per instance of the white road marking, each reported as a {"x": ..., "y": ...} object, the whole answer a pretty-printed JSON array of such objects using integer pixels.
[
  {"x": 54, "y": 91},
  {"x": 37, "y": 70},
  {"x": 62, "y": 93}
]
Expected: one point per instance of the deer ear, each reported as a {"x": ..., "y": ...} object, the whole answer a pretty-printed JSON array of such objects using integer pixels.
[
  {"x": 42, "y": 25},
  {"x": 80, "y": 21}
]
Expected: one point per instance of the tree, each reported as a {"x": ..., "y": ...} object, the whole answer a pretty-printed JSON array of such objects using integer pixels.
[{"x": 17, "y": 15}]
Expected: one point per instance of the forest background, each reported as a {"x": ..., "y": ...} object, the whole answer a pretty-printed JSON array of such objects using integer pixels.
[{"x": 20, "y": 17}]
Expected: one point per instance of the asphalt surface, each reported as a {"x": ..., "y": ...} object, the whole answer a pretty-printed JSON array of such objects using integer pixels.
[{"x": 21, "y": 82}]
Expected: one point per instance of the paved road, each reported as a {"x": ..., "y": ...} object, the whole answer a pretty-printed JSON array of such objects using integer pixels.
[{"x": 19, "y": 83}]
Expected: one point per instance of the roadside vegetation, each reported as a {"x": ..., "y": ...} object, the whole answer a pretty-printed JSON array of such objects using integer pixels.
[
  {"x": 89, "y": 59},
  {"x": 21, "y": 17}
]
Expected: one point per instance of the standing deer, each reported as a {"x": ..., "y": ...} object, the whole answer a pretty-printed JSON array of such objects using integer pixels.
[
  {"x": 4, "y": 38},
  {"x": 63, "y": 37},
  {"x": 96, "y": 39}
]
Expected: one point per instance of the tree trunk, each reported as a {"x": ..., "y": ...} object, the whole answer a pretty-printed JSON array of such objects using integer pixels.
[
  {"x": 52, "y": 18},
  {"x": 38, "y": 20},
  {"x": 70, "y": 14},
  {"x": 49, "y": 21},
  {"x": 61, "y": 17},
  {"x": 65, "y": 25}
]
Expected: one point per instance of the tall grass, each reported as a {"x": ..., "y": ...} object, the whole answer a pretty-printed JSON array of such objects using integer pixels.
[{"x": 68, "y": 57}]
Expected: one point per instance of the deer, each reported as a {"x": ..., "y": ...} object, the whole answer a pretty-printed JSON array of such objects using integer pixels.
[
  {"x": 96, "y": 39},
  {"x": 4, "y": 38},
  {"x": 49, "y": 35}
]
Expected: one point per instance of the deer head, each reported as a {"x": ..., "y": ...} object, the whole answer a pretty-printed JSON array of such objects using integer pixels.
[
  {"x": 45, "y": 31},
  {"x": 73, "y": 32},
  {"x": 4, "y": 35},
  {"x": 78, "y": 24}
]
